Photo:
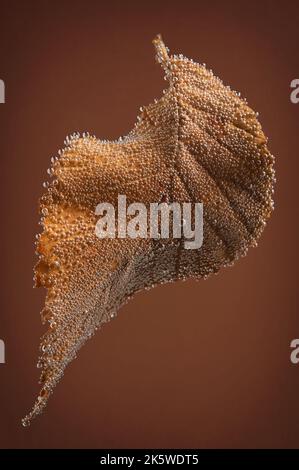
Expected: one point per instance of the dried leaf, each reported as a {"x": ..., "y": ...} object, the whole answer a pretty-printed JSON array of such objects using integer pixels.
[{"x": 199, "y": 142}]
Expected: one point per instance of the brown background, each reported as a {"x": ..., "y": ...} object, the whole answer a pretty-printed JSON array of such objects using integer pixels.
[{"x": 185, "y": 365}]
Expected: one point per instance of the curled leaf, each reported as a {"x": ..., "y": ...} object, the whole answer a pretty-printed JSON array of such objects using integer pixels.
[{"x": 199, "y": 142}]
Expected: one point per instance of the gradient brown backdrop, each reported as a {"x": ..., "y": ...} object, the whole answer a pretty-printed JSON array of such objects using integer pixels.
[{"x": 185, "y": 365}]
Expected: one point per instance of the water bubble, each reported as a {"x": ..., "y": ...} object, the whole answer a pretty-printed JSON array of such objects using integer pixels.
[{"x": 25, "y": 422}]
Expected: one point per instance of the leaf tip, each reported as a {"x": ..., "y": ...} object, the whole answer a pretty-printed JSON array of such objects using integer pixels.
[{"x": 161, "y": 51}]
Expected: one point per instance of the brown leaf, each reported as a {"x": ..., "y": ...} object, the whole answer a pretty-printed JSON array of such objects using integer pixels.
[{"x": 199, "y": 143}]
